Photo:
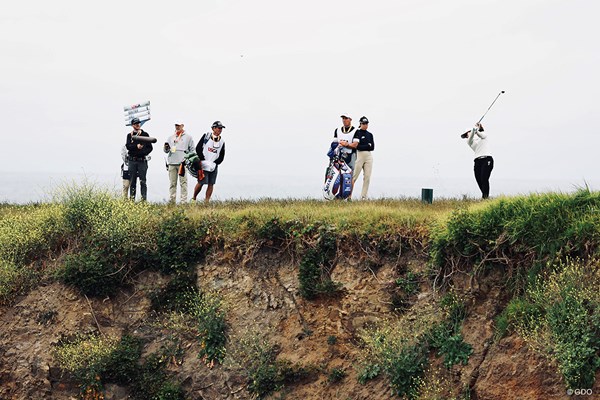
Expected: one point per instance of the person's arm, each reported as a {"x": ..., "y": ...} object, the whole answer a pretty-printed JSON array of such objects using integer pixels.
[
  {"x": 131, "y": 146},
  {"x": 221, "y": 156},
  {"x": 482, "y": 135},
  {"x": 191, "y": 146},
  {"x": 200, "y": 148},
  {"x": 372, "y": 143},
  {"x": 355, "y": 141},
  {"x": 471, "y": 137},
  {"x": 146, "y": 147}
]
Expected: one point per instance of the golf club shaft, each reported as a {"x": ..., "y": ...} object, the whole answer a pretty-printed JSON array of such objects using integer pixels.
[{"x": 480, "y": 119}]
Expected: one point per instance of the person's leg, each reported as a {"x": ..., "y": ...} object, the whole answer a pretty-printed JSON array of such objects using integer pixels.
[
  {"x": 197, "y": 189},
  {"x": 173, "y": 171},
  {"x": 360, "y": 161},
  {"x": 184, "y": 187},
  {"x": 142, "y": 170},
  {"x": 368, "y": 168},
  {"x": 486, "y": 171},
  {"x": 351, "y": 164},
  {"x": 133, "y": 173},
  {"x": 479, "y": 176},
  {"x": 126, "y": 183},
  {"x": 209, "y": 192}
]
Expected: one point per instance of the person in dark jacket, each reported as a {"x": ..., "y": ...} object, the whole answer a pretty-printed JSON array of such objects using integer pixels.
[
  {"x": 211, "y": 150},
  {"x": 364, "y": 158},
  {"x": 138, "y": 159}
]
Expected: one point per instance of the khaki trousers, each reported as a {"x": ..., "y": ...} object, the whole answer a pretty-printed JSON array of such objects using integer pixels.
[
  {"x": 364, "y": 161},
  {"x": 173, "y": 176},
  {"x": 126, "y": 183}
]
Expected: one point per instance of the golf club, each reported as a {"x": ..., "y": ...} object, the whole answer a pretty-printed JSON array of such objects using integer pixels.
[
  {"x": 490, "y": 106},
  {"x": 465, "y": 135}
]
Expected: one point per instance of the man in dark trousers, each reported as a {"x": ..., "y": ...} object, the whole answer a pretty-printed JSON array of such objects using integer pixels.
[{"x": 138, "y": 159}]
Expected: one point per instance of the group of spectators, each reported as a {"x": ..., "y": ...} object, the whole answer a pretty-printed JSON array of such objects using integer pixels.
[{"x": 210, "y": 152}]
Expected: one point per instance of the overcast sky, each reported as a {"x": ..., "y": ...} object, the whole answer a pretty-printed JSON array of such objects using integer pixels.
[{"x": 278, "y": 74}]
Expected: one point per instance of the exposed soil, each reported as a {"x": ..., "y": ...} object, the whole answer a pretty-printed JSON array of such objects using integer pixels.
[{"x": 264, "y": 295}]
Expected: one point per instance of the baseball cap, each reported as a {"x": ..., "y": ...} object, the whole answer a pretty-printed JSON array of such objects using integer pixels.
[
  {"x": 178, "y": 122},
  {"x": 135, "y": 121},
  {"x": 217, "y": 124},
  {"x": 363, "y": 120},
  {"x": 346, "y": 116}
]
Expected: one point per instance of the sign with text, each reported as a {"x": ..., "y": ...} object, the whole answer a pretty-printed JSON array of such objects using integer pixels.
[{"x": 140, "y": 111}]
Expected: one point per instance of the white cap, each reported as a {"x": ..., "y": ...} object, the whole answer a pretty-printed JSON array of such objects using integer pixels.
[{"x": 346, "y": 116}]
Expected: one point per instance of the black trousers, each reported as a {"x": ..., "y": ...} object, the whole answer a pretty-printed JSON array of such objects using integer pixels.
[
  {"x": 138, "y": 169},
  {"x": 483, "y": 169}
]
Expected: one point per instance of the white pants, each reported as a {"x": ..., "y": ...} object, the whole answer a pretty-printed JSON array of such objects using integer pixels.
[
  {"x": 173, "y": 176},
  {"x": 364, "y": 160}
]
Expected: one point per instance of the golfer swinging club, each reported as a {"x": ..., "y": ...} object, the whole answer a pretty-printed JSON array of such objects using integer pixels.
[{"x": 484, "y": 163}]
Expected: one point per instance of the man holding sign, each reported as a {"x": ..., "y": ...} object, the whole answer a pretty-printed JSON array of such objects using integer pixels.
[{"x": 138, "y": 158}]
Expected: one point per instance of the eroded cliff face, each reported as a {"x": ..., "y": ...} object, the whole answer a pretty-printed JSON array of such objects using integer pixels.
[{"x": 263, "y": 295}]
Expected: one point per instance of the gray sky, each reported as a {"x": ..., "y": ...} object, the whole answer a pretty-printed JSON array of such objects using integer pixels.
[{"x": 279, "y": 74}]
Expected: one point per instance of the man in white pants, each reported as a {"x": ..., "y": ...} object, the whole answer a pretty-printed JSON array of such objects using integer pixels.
[
  {"x": 176, "y": 146},
  {"x": 364, "y": 158}
]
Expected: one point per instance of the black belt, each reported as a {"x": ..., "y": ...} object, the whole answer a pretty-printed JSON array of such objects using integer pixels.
[
  {"x": 482, "y": 157},
  {"x": 137, "y": 158}
]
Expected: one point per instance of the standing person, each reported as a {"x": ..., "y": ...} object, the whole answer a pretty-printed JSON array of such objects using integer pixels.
[
  {"x": 364, "y": 158},
  {"x": 125, "y": 171},
  {"x": 138, "y": 159},
  {"x": 211, "y": 150},
  {"x": 345, "y": 137},
  {"x": 176, "y": 146},
  {"x": 484, "y": 163}
]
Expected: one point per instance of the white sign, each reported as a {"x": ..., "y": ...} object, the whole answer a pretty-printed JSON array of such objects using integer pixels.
[{"x": 140, "y": 111}]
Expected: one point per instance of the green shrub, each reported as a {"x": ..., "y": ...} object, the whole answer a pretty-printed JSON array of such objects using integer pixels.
[
  {"x": 409, "y": 283},
  {"x": 176, "y": 294},
  {"x": 207, "y": 310},
  {"x": 13, "y": 280},
  {"x": 367, "y": 372},
  {"x": 123, "y": 363},
  {"x": 570, "y": 302},
  {"x": 179, "y": 243},
  {"x": 30, "y": 233},
  {"x": 257, "y": 359},
  {"x": 315, "y": 267},
  {"x": 86, "y": 358},
  {"x": 92, "y": 272},
  {"x": 336, "y": 375},
  {"x": 519, "y": 313},
  {"x": 152, "y": 381},
  {"x": 518, "y": 231}
]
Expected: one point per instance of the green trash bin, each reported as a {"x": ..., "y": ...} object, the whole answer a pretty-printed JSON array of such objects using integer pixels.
[{"x": 427, "y": 196}]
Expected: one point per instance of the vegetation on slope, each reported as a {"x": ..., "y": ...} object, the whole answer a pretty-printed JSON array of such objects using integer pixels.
[{"x": 546, "y": 245}]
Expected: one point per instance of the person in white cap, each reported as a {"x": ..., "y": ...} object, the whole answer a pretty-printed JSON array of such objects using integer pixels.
[
  {"x": 176, "y": 146},
  {"x": 211, "y": 150},
  {"x": 346, "y": 139}
]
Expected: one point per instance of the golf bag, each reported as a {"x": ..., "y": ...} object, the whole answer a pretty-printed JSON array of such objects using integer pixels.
[
  {"x": 192, "y": 162},
  {"x": 338, "y": 176}
]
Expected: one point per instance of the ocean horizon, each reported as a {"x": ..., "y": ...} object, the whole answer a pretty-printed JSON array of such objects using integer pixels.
[{"x": 29, "y": 187}]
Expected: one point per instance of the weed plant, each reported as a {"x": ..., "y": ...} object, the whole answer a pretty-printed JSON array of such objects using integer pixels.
[
  {"x": 207, "y": 311},
  {"x": 565, "y": 323},
  {"x": 256, "y": 358},
  {"x": 95, "y": 360}
]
